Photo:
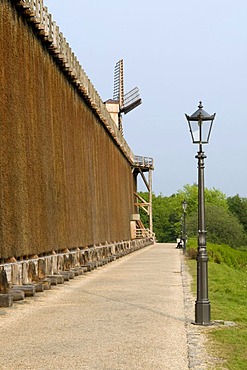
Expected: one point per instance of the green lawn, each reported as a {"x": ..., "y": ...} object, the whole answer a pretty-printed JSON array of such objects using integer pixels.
[{"x": 227, "y": 280}]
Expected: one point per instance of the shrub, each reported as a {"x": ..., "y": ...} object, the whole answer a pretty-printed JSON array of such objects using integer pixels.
[{"x": 221, "y": 225}]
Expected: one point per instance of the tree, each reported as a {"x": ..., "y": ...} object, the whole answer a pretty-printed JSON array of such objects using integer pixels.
[
  {"x": 238, "y": 206},
  {"x": 221, "y": 225},
  {"x": 226, "y": 218},
  {"x": 212, "y": 196},
  {"x": 166, "y": 216}
]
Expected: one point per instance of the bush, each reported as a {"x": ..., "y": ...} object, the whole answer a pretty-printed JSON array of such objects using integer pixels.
[
  {"x": 221, "y": 254},
  {"x": 221, "y": 225},
  {"x": 191, "y": 253}
]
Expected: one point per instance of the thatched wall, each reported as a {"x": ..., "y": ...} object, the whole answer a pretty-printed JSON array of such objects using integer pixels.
[{"x": 64, "y": 182}]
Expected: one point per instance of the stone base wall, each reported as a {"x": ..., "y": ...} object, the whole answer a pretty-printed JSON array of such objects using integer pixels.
[{"x": 19, "y": 273}]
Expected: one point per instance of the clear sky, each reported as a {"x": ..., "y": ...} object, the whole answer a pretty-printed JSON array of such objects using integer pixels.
[{"x": 177, "y": 52}]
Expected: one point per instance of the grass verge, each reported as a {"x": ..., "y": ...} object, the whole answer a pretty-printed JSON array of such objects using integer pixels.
[{"x": 227, "y": 276}]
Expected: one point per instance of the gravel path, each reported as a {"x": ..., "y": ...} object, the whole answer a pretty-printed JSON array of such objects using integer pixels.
[{"x": 130, "y": 314}]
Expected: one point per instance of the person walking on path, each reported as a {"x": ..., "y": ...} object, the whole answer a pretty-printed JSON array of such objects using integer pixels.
[{"x": 126, "y": 315}]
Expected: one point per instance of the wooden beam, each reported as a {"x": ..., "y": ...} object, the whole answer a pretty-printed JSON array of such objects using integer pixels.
[
  {"x": 144, "y": 209},
  {"x": 144, "y": 179},
  {"x": 139, "y": 197}
]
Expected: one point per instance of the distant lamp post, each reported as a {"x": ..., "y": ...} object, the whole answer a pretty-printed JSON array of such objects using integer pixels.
[
  {"x": 184, "y": 205},
  {"x": 200, "y": 125}
]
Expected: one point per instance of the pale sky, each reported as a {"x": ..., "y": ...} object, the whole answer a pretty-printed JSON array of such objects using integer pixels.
[{"x": 178, "y": 53}]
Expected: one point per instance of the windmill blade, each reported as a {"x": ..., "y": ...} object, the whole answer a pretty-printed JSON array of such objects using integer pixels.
[
  {"x": 118, "y": 89},
  {"x": 131, "y": 100}
]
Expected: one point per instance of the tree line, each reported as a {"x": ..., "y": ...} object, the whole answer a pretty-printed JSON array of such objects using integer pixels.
[{"x": 225, "y": 217}]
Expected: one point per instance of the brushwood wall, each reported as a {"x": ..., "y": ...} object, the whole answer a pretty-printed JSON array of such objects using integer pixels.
[{"x": 64, "y": 182}]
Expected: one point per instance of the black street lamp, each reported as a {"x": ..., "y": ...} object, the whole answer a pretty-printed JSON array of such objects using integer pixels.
[
  {"x": 200, "y": 125},
  {"x": 184, "y": 205},
  {"x": 181, "y": 225}
]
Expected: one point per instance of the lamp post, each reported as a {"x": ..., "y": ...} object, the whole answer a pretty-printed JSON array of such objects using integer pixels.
[
  {"x": 200, "y": 125},
  {"x": 184, "y": 205}
]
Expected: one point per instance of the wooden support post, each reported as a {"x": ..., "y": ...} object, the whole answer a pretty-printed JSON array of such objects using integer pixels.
[{"x": 150, "y": 208}]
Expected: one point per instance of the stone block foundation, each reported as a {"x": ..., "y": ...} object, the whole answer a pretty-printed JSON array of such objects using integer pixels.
[{"x": 24, "y": 278}]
